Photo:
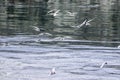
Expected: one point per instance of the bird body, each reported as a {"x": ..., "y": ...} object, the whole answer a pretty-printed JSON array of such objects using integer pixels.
[
  {"x": 92, "y": 68},
  {"x": 53, "y": 12},
  {"x": 82, "y": 24},
  {"x": 36, "y": 28},
  {"x": 52, "y": 71},
  {"x": 103, "y": 64},
  {"x": 56, "y": 13},
  {"x": 85, "y": 23}
]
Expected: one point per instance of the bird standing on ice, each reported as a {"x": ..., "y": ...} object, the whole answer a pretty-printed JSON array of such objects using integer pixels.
[
  {"x": 53, "y": 71},
  {"x": 103, "y": 64}
]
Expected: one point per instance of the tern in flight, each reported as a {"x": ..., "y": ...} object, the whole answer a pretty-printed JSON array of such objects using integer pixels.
[
  {"x": 71, "y": 13},
  {"x": 53, "y": 12},
  {"x": 85, "y": 23},
  {"x": 56, "y": 13}
]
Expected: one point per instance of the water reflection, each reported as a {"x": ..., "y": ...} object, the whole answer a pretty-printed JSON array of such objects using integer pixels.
[{"x": 18, "y": 17}]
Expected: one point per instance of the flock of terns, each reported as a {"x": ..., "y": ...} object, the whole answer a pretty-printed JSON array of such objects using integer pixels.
[{"x": 55, "y": 13}]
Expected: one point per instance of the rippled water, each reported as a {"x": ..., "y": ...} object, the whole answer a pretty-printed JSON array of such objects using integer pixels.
[{"x": 26, "y": 58}]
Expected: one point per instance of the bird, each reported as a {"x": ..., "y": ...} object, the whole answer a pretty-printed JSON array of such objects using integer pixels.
[
  {"x": 36, "y": 28},
  {"x": 103, "y": 64},
  {"x": 53, "y": 12},
  {"x": 71, "y": 13},
  {"x": 52, "y": 72},
  {"x": 92, "y": 68},
  {"x": 85, "y": 23},
  {"x": 56, "y": 13}
]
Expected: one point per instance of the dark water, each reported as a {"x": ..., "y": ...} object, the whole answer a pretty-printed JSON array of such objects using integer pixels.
[
  {"x": 76, "y": 53},
  {"x": 26, "y": 58},
  {"x": 19, "y": 17}
]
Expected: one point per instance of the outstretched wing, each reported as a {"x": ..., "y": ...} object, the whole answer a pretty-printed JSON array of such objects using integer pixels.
[
  {"x": 82, "y": 24},
  {"x": 56, "y": 13}
]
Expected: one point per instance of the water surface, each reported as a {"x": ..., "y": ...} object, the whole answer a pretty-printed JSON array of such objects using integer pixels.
[{"x": 26, "y": 58}]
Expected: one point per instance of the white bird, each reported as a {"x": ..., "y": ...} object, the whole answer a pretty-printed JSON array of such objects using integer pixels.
[
  {"x": 56, "y": 13},
  {"x": 53, "y": 12},
  {"x": 92, "y": 68},
  {"x": 103, "y": 64},
  {"x": 53, "y": 71},
  {"x": 36, "y": 28},
  {"x": 82, "y": 24},
  {"x": 88, "y": 22},
  {"x": 85, "y": 23},
  {"x": 71, "y": 14}
]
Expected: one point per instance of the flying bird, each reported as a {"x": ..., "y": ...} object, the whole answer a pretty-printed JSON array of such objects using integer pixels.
[
  {"x": 85, "y": 23},
  {"x": 53, "y": 12},
  {"x": 56, "y": 13},
  {"x": 71, "y": 13}
]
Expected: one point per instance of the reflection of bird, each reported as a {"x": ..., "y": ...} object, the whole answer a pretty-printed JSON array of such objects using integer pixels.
[
  {"x": 53, "y": 12},
  {"x": 85, "y": 23},
  {"x": 53, "y": 71},
  {"x": 103, "y": 64},
  {"x": 71, "y": 14}
]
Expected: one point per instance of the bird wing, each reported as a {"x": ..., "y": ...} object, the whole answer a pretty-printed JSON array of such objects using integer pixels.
[
  {"x": 56, "y": 13},
  {"x": 90, "y": 20},
  {"x": 87, "y": 23},
  {"x": 83, "y": 23},
  {"x": 51, "y": 11},
  {"x": 68, "y": 12}
]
